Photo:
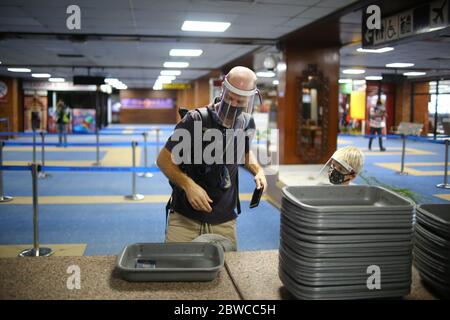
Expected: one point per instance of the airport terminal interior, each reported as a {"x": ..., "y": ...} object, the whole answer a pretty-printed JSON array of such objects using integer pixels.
[{"x": 91, "y": 90}]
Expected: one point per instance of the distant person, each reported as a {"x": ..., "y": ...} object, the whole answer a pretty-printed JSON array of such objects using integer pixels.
[
  {"x": 377, "y": 122},
  {"x": 62, "y": 121}
]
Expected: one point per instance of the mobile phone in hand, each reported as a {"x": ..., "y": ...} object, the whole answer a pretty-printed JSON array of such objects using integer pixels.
[{"x": 256, "y": 197}]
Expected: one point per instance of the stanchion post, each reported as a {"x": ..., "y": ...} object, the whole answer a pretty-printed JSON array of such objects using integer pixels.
[
  {"x": 36, "y": 251},
  {"x": 34, "y": 146},
  {"x": 42, "y": 174},
  {"x": 402, "y": 168},
  {"x": 445, "y": 185},
  {"x": 3, "y": 198},
  {"x": 145, "y": 174},
  {"x": 157, "y": 141},
  {"x": 97, "y": 148},
  {"x": 134, "y": 196}
]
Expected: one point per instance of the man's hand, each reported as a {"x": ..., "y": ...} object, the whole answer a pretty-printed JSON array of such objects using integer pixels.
[
  {"x": 198, "y": 197},
  {"x": 260, "y": 180}
]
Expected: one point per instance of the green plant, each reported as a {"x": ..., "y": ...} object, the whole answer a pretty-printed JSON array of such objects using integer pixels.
[{"x": 372, "y": 181}]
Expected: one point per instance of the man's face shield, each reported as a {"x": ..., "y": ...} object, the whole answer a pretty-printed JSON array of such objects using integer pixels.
[
  {"x": 336, "y": 172},
  {"x": 233, "y": 103}
]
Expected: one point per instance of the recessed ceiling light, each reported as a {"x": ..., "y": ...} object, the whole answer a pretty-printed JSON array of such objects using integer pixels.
[
  {"x": 353, "y": 71},
  {"x": 19, "y": 70},
  {"x": 170, "y": 64},
  {"x": 276, "y": 82},
  {"x": 171, "y": 78},
  {"x": 414, "y": 73},
  {"x": 56, "y": 79},
  {"x": 265, "y": 74},
  {"x": 205, "y": 26},
  {"x": 380, "y": 50},
  {"x": 374, "y": 78},
  {"x": 41, "y": 75},
  {"x": 170, "y": 72},
  {"x": 399, "y": 65},
  {"x": 111, "y": 80},
  {"x": 185, "y": 52},
  {"x": 345, "y": 80}
]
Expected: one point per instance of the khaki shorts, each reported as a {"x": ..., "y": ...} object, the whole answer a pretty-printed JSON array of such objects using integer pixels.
[{"x": 183, "y": 229}]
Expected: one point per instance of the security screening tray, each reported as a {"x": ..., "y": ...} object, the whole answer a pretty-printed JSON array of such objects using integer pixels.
[{"x": 190, "y": 261}]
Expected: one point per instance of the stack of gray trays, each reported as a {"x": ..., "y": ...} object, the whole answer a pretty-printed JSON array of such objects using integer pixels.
[
  {"x": 432, "y": 246},
  {"x": 334, "y": 240}
]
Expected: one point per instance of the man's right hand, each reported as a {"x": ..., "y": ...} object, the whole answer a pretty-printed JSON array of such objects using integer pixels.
[{"x": 198, "y": 197}]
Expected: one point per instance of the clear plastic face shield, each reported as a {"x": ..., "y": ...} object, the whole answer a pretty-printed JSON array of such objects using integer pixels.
[
  {"x": 336, "y": 172},
  {"x": 233, "y": 103}
]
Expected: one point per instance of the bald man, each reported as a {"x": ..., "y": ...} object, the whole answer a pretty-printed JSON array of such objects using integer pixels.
[{"x": 205, "y": 196}]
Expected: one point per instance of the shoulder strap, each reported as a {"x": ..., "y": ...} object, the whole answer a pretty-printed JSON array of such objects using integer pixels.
[{"x": 206, "y": 118}]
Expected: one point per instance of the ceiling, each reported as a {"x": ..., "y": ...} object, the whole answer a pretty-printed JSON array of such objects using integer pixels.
[
  {"x": 429, "y": 52},
  {"x": 138, "y": 61}
]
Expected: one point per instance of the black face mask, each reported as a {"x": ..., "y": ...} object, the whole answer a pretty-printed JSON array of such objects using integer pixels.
[{"x": 336, "y": 177}]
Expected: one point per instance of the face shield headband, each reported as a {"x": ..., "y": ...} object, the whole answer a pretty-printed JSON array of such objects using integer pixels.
[{"x": 233, "y": 103}]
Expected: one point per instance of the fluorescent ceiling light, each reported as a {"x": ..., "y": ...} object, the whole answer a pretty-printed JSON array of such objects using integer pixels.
[
  {"x": 353, "y": 71},
  {"x": 380, "y": 50},
  {"x": 170, "y": 64},
  {"x": 171, "y": 78},
  {"x": 276, "y": 82},
  {"x": 170, "y": 72},
  {"x": 41, "y": 75},
  {"x": 345, "y": 80},
  {"x": 357, "y": 82},
  {"x": 399, "y": 65},
  {"x": 265, "y": 74},
  {"x": 121, "y": 86},
  {"x": 163, "y": 80},
  {"x": 111, "y": 80},
  {"x": 374, "y": 78},
  {"x": 19, "y": 70},
  {"x": 185, "y": 52},
  {"x": 414, "y": 73},
  {"x": 56, "y": 79},
  {"x": 205, "y": 26}
]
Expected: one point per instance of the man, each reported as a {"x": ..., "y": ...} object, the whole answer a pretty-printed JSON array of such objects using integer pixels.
[
  {"x": 377, "y": 122},
  {"x": 205, "y": 196}
]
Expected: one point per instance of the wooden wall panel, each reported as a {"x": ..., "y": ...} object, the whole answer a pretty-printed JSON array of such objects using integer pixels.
[{"x": 297, "y": 60}]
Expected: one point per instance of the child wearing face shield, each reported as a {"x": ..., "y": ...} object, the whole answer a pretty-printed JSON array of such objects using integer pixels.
[{"x": 343, "y": 167}]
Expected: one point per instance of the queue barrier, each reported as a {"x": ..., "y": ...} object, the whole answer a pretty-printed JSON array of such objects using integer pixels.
[{"x": 36, "y": 250}]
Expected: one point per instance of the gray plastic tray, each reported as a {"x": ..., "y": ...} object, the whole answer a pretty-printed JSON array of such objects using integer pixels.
[
  {"x": 350, "y": 199},
  {"x": 438, "y": 212},
  {"x": 191, "y": 261}
]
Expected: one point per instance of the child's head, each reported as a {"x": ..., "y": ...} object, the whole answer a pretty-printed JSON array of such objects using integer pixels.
[{"x": 346, "y": 164}]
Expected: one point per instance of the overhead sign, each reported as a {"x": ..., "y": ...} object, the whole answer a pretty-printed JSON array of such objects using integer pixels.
[
  {"x": 425, "y": 18},
  {"x": 147, "y": 103},
  {"x": 176, "y": 86}
]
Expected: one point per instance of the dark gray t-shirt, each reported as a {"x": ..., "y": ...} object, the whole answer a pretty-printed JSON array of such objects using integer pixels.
[{"x": 208, "y": 177}]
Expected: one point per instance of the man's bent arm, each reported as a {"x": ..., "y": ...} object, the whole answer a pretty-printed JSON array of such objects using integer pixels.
[{"x": 196, "y": 195}]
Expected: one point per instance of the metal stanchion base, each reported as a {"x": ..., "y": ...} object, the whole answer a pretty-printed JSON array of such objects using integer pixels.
[
  {"x": 145, "y": 174},
  {"x": 402, "y": 173},
  {"x": 135, "y": 197},
  {"x": 41, "y": 252},
  {"x": 97, "y": 164},
  {"x": 443, "y": 186},
  {"x": 6, "y": 198},
  {"x": 43, "y": 175}
]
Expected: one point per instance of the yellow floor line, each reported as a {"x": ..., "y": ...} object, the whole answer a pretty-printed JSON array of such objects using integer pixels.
[
  {"x": 443, "y": 196},
  {"x": 408, "y": 151},
  {"x": 100, "y": 199},
  {"x": 396, "y": 166},
  {"x": 343, "y": 141},
  {"x": 61, "y": 250},
  {"x": 120, "y": 157}
]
